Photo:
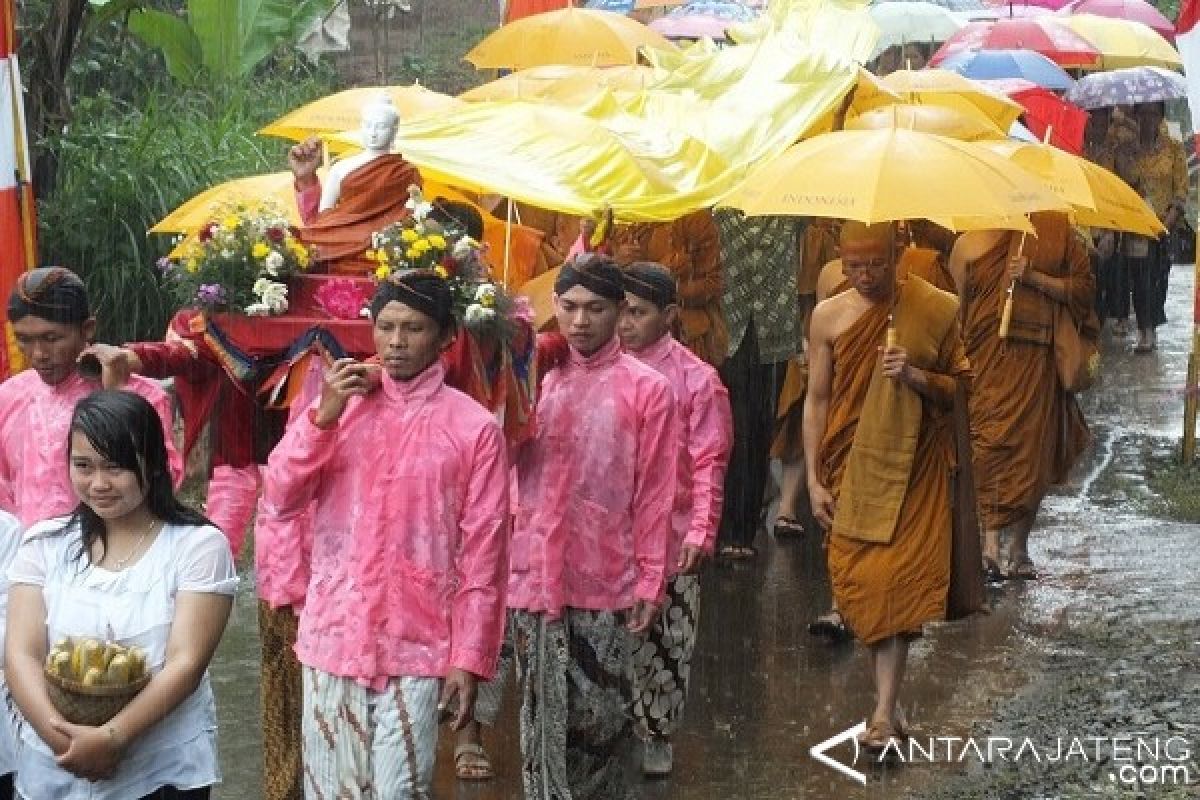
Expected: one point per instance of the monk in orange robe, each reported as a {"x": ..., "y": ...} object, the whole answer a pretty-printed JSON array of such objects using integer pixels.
[
  {"x": 688, "y": 247},
  {"x": 885, "y": 360},
  {"x": 1026, "y": 431}
]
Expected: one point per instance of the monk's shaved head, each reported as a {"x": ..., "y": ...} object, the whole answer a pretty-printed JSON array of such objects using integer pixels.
[{"x": 855, "y": 233}]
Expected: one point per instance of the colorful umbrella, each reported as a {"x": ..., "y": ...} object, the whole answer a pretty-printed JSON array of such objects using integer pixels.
[
  {"x": 577, "y": 36},
  {"x": 561, "y": 83},
  {"x": 1045, "y": 34},
  {"x": 625, "y": 6},
  {"x": 700, "y": 18},
  {"x": 1028, "y": 7},
  {"x": 1126, "y": 87},
  {"x": 1136, "y": 10},
  {"x": 941, "y": 87},
  {"x": 1046, "y": 112},
  {"x": 876, "y": 176},
  {"x": 1097, "y": 197},
  {"x": 997, "y": 64},
  {"x": 1124, "y": 43},
  {"x": 342, "y": 111},
  {"x": 905, "y": 23},
  {"x": 963, "y": 6}
]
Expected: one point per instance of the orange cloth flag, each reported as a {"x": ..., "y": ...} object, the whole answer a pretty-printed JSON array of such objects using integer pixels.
[
  {"x": 895, "y": 583},
  {"x": 17, "y": 240},
  {"x": 372, "y": 197},
  {"x": 1026, "y": 431}
]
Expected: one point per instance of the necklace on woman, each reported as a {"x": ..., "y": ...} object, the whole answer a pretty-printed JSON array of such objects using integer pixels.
[{"x": 120, "y": 563}]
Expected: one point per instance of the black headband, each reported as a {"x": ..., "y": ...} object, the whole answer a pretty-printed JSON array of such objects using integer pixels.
[
  {"x": 651, "y": 282},
  {"x": 598, "y": 274},
  {"x": 421, "y": 290},
  {"x": 55, "y": 294}
]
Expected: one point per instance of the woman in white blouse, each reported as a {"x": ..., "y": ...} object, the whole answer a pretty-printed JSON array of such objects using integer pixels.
[
  {"x": 10, "y": 540},
  {"x": 132, "y": 565}
]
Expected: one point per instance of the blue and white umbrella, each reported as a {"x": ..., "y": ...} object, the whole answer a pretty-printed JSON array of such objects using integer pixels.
[{"x": 997, "y": 64}]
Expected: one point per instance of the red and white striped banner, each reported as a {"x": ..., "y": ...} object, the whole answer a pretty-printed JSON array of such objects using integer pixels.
[{"x": 16, "y": 193}]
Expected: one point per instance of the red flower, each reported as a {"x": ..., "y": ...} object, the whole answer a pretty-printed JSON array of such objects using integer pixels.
[
  {"x": 275, "y": 234},
  {"x": 449, "y": 264},
  {"x": 206, "y": 233}
]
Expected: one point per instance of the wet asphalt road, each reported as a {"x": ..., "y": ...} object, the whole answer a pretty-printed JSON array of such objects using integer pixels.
[{"x": 764, "y": 691}]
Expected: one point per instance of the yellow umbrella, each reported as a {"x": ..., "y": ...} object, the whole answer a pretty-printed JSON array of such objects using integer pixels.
[
  {"x": 895, "y": 174},
  {"x": 342, "y": 111},
  {"x": 941, "y": 87},
  {"x": 1098, "y": 198},
  {"x": 967, "y": 127},
  {"x": 275, "y": 188},
  {"x": 1124, "y": 42},
  {"x": 561, "y": 83},
  {"x": 579, "y": 36}
]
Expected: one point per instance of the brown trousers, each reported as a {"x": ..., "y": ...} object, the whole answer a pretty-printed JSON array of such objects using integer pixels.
[{"x": 282, "y": 701}]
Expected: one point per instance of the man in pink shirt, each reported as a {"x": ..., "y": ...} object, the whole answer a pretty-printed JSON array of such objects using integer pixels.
[
  {"x": 53, "y": 325},
  {"x": 404, "y": 609},
  {"x": 596, "y": 488},
  {"x": 662, "y": 663}
]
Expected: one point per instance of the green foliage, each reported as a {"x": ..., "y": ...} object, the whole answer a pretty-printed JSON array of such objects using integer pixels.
[
  {"x": 227, "y": 39},
  {"x": 126, "y": 163}
]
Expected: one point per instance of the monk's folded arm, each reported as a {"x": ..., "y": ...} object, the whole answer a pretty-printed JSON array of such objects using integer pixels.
[
  {"x": 1054, "y": 288},
  {"x": 937, "y": 387}
]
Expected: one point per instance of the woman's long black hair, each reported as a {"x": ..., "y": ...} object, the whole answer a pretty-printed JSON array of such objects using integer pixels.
[{"x": 125, "y": 429}]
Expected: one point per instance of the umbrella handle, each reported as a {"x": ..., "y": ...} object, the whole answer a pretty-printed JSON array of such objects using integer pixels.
[{"x": 1006, "y": 315}]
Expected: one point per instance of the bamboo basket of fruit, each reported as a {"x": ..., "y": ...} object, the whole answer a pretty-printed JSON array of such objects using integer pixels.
[{"x": 89, "y": 682}]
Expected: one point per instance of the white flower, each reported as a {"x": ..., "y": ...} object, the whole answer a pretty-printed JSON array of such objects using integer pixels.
[
  {"x": 272, "y": 294},
  {"x": 226, "y": 254},
  {"x": 485, "y": 291},
  {"x": 274, "y": 262},
  {"x": 417, "y": 205},
  {"x": 258, "y": 310},
  {"x": 477, "y": 314},
  {"x": 464, "y": 247}
]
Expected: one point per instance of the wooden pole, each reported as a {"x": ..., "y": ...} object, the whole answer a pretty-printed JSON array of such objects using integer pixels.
[{"x": 1193, "y": 371}]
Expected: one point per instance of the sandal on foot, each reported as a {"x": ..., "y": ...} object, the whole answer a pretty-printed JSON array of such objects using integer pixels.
[
  {"x": 831, "y": 625},
  {"x": 1022, "y": 569},
  {"x": 992, "y": 574},
  {"x": 788, "y": 527},
  {"x": 881, "y": 743},
  {"x": 471, "y": 763}
]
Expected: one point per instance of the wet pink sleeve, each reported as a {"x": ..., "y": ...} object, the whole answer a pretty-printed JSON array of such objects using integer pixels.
[
  {"x": 166, "y": 415},
  {"x": 308, "y": 201},
  {"x": 8, "y": 501},
  {"x": 710, "y": 438},
  {"x": 295, "y": 465},
  {"x": 654, "y": 489},
  {"x": 477, "y": 619}
]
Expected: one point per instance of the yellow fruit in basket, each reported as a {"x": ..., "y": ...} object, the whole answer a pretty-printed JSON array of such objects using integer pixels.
[
  {"x": 94, "y": 677},
  {"x": 118, "y": 670},
  {"x": 62, "y": 664},
  {"x": 63, "y": 644},
  {"x": 137, "y": 663},
  {"x": 111, "y": 650}
]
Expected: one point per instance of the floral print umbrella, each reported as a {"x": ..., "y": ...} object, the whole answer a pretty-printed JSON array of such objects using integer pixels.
[{"x": 1123, "y": 87}]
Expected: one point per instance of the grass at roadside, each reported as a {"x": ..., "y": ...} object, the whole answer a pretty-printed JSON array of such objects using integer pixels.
[{"x": 1176, "y": 489}]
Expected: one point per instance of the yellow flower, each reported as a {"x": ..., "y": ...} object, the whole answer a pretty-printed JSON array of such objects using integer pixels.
[
  {"x": 370, "y": 255},
  {"x": 438, "y": 241},
  {"x": 487, "y": 301},
  {"x": 441, "y": 271},
  {"x": 382, "y": 273},
  {"x": 382, "y": 256},
  {"x": 192, "y": 265},
  {"x": 260, "y": 250},
  {"x": 230, "y": 222},
  {"x": 421, "y": 246},
  {"x": 412, "y": 254},
  {"x": 302, "y": 259},
  {"x": 408, "y": 235}
]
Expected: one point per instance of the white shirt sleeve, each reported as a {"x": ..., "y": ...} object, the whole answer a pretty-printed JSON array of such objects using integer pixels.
[
  {"x": 29, "y": 564},
  {"x": 206, "y": 562}
]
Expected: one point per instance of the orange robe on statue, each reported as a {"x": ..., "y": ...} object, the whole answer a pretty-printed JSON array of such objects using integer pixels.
[
  {"x": 1026, "y": 432},
  {"x": 371, "y": 198},
  {"x": 889, "y": 563}
]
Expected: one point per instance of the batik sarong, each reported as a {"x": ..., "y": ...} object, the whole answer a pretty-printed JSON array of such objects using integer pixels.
[
  {"x": 663, "y": 661},
  {"x": 362, "y": 744},
  {"x": 576, "y": 729}
]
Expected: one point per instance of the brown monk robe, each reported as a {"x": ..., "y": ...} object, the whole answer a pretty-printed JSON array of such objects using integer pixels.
[
  {"x": 372, "y": 197},
  {"x": 1026, "y": 431},
  {"x": 689, "y": 248},
  {"x": 879, "y": 451}
]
